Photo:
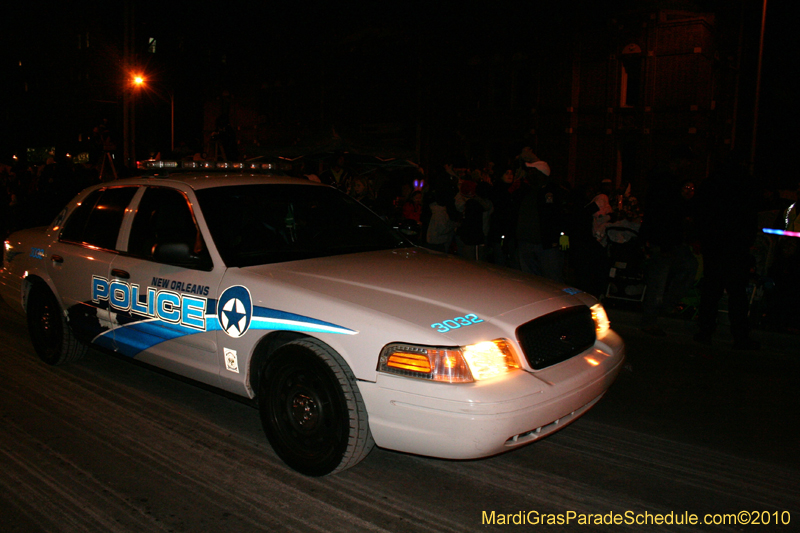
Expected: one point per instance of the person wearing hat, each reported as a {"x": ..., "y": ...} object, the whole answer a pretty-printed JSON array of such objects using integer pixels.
[
  {"x": 529, "y": 162},
  {"x": 537, "y": 252}
]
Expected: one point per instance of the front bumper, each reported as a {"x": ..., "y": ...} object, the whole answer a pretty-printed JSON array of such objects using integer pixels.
[{"x": 468, "y": 421}]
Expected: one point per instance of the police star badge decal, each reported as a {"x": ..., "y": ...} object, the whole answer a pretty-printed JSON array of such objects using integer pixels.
[{"x": 235, "y": 311}]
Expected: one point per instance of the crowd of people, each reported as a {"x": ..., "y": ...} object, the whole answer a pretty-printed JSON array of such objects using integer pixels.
[
  {"x": 524, "y": 218},
  {"x": 696, "y": 241},
  {"x": 32, "y": 195},
  {"x": 693, "y": 241}
]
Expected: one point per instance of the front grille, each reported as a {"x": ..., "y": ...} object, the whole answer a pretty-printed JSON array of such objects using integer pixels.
[{"x": 557, "y": 336}]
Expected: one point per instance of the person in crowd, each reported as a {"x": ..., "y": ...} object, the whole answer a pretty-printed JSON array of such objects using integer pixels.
[
  {"x": 684, "y": 276},
  {"x": 727, "y": 224},
  {"x": 470, "y": 236},
  {"x": 403, "y": 195},
  {"x": 670, "y": 267},
  {"x": 360, "y": 190},
  {"x": 337, "y": 176},
  {"x": 483, "y": 194},
  {"x": 539, "y": 221},
  {"x": 300, "y": 170},
  {"x": 56, "y": 187},
  {"x": 412, "y": 208},
  {"x": 502, "y": 230},
  {"x": 487, "y": 172},
  {"x": 452, "y": 176},
  {"x": 443, "y": 185},
  {"x": 528, "y": 160},
  {"x": 553, "y": 224},
  {"x": 443, "y": 222},
  {"x": 586, "y": 251},
  {"x": 527, "y": 228},
  {"x": 602, "y": 216},
  {"x": 225, "y": 137}
]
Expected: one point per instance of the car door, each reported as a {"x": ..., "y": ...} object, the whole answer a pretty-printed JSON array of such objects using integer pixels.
[
  {"x": 164, "y": 322},
  {"x": 79, "y": 262}
]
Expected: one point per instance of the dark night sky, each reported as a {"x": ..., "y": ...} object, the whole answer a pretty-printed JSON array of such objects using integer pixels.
[{"x": 284, "y": 38}]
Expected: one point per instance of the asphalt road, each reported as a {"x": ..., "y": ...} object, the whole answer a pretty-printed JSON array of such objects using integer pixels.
[{"x": 105, "y": 445}]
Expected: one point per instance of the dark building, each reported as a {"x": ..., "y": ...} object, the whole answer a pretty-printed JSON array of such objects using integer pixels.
[
  {"x": 634, "y": 88},
  {"x": 610, "y": 102}
]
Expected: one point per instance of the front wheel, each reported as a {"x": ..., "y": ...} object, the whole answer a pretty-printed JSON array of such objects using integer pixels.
[
  {"x": 312, "y": 411},
  {"x": 51, "y": 337}
]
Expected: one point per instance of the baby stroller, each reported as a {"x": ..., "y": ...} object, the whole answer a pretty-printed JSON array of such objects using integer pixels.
[{"x": 626, "y": 264}]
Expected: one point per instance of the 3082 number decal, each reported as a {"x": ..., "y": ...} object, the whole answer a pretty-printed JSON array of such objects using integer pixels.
[{"x": 454, "y": 323}]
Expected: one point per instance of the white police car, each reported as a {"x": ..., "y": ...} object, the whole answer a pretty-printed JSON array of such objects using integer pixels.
[{"x": 290, "y": 292}]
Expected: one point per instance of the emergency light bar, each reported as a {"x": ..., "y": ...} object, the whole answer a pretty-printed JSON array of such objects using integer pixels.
[{"x": 206, "y": 165}]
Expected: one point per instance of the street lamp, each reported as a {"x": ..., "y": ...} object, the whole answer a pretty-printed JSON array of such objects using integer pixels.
[{"x": 140, "y": 81}]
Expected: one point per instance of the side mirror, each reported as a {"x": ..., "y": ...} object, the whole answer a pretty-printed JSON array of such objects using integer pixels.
[{"x": 175, "y": 253}]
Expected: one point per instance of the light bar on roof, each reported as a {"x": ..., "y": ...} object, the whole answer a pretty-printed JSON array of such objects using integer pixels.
[
  {"x": 207, "y": 165},
  {"x": 261, "y": 166},
  {"x": 229, "y": 165},
  {"x": 157, "y": 164}
]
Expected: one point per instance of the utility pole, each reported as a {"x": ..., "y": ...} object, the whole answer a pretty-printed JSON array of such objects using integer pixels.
[
  {"x": 738, "y": 82},
  {"x": 128, "y": 110},
  {"x": 758, "y": 87}
]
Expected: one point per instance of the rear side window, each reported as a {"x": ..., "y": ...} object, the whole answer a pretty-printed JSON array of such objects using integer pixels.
[
  {"x": 96, "y": 222},
  {"x": 164, "y": 216}
]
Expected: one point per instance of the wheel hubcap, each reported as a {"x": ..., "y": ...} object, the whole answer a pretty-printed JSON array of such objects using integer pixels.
[
  {"x": 46, "y": 319},
  {"x": 305, "y": 411}
]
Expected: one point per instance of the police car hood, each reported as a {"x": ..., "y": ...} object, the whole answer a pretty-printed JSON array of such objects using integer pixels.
[{"x": 413, "y": 284}]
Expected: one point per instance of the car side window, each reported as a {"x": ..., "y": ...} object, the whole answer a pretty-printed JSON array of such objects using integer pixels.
[
  {"x": 97, "y": 221},
  {"x": 164, "y": 216}
]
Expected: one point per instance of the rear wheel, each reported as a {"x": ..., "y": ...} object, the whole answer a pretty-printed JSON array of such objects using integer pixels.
[
  {"x": 312, "y": 411},
  {"x": 51, "y": 337}
]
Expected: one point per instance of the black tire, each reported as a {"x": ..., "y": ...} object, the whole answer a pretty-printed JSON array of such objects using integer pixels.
[
  {"x": 312, "y": 411},
  {"x": 51, "y": 337}
]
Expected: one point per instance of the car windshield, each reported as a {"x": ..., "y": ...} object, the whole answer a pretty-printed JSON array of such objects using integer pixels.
[{"x": 259, "y": 224}]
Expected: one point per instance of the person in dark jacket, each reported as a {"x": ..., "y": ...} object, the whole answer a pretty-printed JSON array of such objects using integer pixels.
[
  {"x": 539, "y": 225},
  {"x": 502, "y": 229},
  {"x": 669, "y": 260},
  {"x": 469, "y": 236},
  {"x": 337, "y": 176},
  {"x": 727, "y": 222}
]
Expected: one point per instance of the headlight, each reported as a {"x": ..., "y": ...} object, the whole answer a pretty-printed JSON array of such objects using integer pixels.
[
  {"x": 601, "y": 322},
  {"x": 461, "y": 364}
]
